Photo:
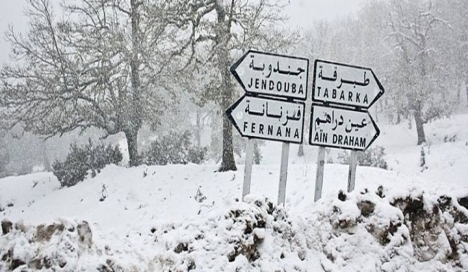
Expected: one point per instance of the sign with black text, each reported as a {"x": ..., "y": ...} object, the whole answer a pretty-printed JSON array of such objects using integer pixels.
[
  {"x": 270, "y": 110},
  {"x": 342, "y": 128},
  {"x": 269, "y": 119},
  {"x": 341, "y": 96},
  {"x": 272, "y": 74},
  {"x": 346, "y": 85}
]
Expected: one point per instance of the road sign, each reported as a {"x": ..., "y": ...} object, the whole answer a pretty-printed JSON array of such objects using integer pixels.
[
  {"x": 271, "y": 74},
  {"x": 269, "y": 119},
  {"x": 344, "y": 84},
  {"x": 342, "y": 128}
]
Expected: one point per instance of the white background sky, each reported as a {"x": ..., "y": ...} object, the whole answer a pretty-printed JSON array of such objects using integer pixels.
[{"x": 301, "y": 12}]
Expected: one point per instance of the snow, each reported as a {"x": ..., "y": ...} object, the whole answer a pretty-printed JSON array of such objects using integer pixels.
[{"x": 190, "y": 217}]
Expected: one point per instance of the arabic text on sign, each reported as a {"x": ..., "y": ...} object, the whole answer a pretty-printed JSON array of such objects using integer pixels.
[
  {"x": 267, "y": 83},
  {"x": 336, "y": 122},
  {"x": 343, "y": 81},
  {"x": 279, "y": 117},
  {"x": 282, "y": 117},
  {"x": 341, "y": 128},
  {"x": 269, "y": 119},
  {"x": 344, "y": 85}
]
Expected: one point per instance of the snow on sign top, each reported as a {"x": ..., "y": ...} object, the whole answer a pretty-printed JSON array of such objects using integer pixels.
[
  {"x": 344, "y": 84},
  {"x": 271, "y": 74}
]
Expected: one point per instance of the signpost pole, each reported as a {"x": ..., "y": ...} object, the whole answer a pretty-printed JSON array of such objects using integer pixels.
[
  {"x": 283, "y": 174},
  {"x": 341, "y": 99},
  {"x": 248, "y": 168},
  {"x": 319, "y": 176},
  {"x": 352, "y": 171},
  {"x": 276, "y": 112}
]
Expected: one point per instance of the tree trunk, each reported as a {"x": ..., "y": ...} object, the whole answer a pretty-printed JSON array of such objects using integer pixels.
[
  {"x": 198, "y": 129},
  {"x": 132, "y": 144},
  {"x": 45, "y": 157},
  {"x": 227, "y": 161},
  {"x": 466, "y": 90},
  {"x": 419, "y": 126},
  {"x": 134, "y": 123},
  {"x": 300, "y": 151}
]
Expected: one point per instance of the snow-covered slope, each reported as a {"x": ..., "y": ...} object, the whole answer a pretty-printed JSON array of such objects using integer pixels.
[{"x": 189, "y": 217}]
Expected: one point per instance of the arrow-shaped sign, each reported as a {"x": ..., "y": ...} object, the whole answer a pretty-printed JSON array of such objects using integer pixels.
[
  {"x": 271, "y": 74},
  {"x": 268, "y": 119},
  {"x": 344, "y": 84},
  {"x": 342, "y": 128}
]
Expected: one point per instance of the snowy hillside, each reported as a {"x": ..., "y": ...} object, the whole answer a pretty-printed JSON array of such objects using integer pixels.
[{"x": 189, "y": 217}]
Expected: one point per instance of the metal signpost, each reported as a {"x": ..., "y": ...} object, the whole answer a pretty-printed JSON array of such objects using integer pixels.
[
  {"x": 339, "y": 119},
  {"x": 270, "y": 109}
]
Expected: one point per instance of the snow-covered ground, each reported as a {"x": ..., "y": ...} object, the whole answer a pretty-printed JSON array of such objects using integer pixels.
[{"x": 189, "y": 217}]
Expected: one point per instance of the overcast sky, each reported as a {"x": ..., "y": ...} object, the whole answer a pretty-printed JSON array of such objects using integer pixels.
[{"x": 301, "y": 12}]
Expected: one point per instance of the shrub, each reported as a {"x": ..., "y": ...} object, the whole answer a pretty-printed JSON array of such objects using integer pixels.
[
  {"x": 174, "y": 148},
  {"x": 81, "y": 160},
  {"x": 374, "y": 157},
  {"x": 197, "y": 154},
  {"x": 102, "y": 155}
]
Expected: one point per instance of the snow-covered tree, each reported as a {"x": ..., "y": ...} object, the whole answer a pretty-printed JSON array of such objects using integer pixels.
[
  {"x": 219, "y": 32},
  {"x": 420, "y": 77},
  {"x": 100, "y": 65},
  {"x": 453, "y": 46}
]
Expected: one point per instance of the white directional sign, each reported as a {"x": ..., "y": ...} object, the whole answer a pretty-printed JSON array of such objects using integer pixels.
[
  {"x": 254, "y": 115},
  {"x": 345, "y": 85},
  {"x": 270, "y": 74},
  {"x": 268, "y": 119},
  {"x": 342, "y": 128}
]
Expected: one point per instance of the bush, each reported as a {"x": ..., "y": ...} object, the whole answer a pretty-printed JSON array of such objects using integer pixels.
[
  {"x": 102, "y": 155},
  {"x": 374, "y": 157},
  {"x": 81, "y": 160},
  {"x": 174, "y": 148},
  {"x": 197, "y": 154}
]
